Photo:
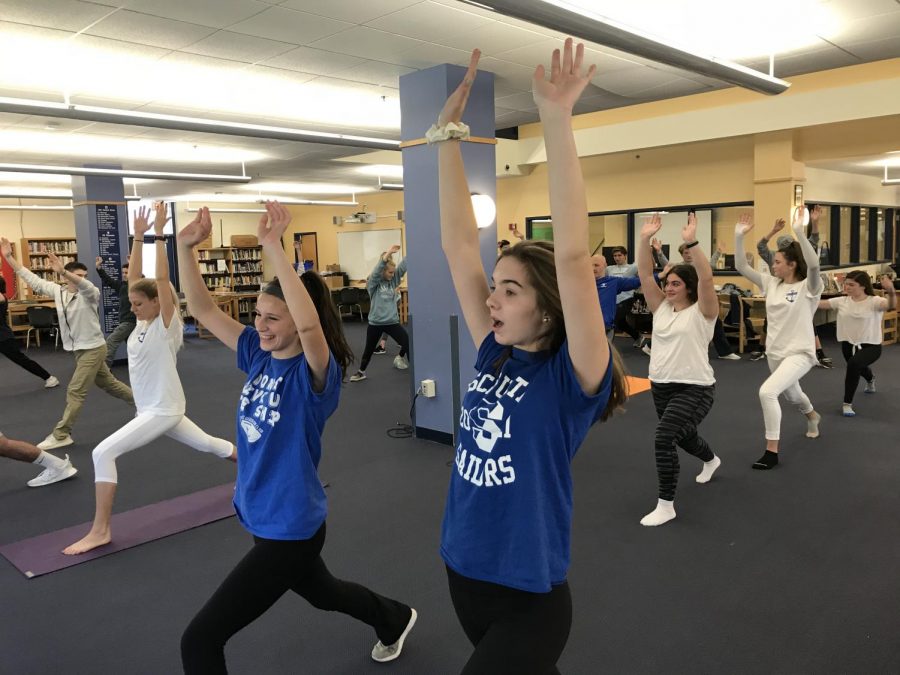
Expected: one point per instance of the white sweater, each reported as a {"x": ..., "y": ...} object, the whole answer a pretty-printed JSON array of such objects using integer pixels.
[{"x": 79, "y": 322}]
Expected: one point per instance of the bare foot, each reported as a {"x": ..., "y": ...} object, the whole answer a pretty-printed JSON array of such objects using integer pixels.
[{"x": 91, "y": 541}]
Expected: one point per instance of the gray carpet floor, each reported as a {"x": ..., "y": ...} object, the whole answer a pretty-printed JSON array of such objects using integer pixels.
[{"x": 788, "y": 571}]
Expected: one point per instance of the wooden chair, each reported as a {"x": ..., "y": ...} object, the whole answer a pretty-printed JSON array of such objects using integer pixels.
[
  {"x": 889, "y": 328},
  {"x": 224, "y": 303},
  {"x": 727, "y": 303}
]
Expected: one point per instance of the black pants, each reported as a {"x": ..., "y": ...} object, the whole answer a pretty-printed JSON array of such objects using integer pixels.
[
  {"x": 720, "y": 341},
  {"x": 680, "y": 408},
  {"x": 270, "y": 569},
  {"x": 858, "y": 365},
  {"x": 373, "y": 335},
  {"x": 11, "y": 350},
  {"x": 623, "y": 310},
  {"x": 514, "y": 632}
]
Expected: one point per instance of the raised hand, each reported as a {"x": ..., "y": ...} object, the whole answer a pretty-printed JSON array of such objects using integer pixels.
[
  {"x": 5, "y": 247},
  {"x": 666, "y": 270},
  {"x": 689, "y": 231},
  {"x": 560, "y": 92},
  {"x": 273, "y": 224},
  {"x": 744, "y": 224},
  {"x": 456, "y": 103},
  {"x": 55, "y": 263},
  {"x": 887, "y": 284},
  {"x": 141, "y": 225},
  {"x": 159, "y": 223},
  {"x": 778, "y": 226},
  {"x": 197, "y": 230},
  {"x": 393, "y": 249},
  {"x": 656, "y": 244},
  {"x": 651, "y": 226},
  {"x": 98, "y": 262},
  {"x": 801, "y": 218},
  {"x": 814, "y": 214}
]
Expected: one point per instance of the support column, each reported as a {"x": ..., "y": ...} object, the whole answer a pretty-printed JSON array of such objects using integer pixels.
[
  {"x": 776, "y": 176},
  {"x": 101, "y": 229},
  {"x": 432, "y": 300}
]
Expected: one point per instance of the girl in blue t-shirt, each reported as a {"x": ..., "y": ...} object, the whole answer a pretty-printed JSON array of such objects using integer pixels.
[
  {"x": 543, "y": 379},
  {"x": 294, "y": 357}
]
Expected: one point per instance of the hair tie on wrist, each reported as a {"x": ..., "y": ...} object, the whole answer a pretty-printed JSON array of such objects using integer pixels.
[
  {"x": 692, "y": 244},
  {"x": 449, "y": 131}
]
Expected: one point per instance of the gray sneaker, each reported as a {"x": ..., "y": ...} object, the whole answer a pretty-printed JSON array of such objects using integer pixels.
[
  {"x": 870, "y": 386},
  {"x": 383, "y": 653},
  {"x": 757, "y": 356},
  {"x": 357, "y": 376},
  {"x": 51, "y": 475},
  {"x": 52, "y": 442}
]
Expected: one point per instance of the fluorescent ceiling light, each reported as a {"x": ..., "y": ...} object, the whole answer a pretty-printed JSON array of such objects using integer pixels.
[
  {"x": 14, "y": 192},
  {"x": 93, "y": 171},
  {"x": 766, "y": 26},
  {"x": 33, "y": 207},
  {"x": 390, "y": 186},
  {"x": 571, "y": 20},
  {"x": 220, "y": 198},
  {"x": 271, "y": 187},
  {"x": 18, "y": 177},
  {"x": 382, "y": 170},
  {"x": 96, "y": 145}
]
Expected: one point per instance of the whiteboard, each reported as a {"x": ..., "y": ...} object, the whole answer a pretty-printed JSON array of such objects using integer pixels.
[
  {"x": 670, "y": 232},
  {"x": 359, "y": 251}
]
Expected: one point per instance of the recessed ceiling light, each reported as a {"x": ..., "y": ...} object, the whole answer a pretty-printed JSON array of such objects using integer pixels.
[{"x": 382, "y": 170}]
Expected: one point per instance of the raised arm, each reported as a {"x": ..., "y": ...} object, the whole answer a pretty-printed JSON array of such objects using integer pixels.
[
  {"x": 200, "y": 304},
  {"x": 661, "y": 257},
  {"x": 707, "y": 300},
  {"x": 762, "y": 246},
  {"x": 141, "y": 227},
  {"x": 270, "y": 230},
  {"x": 105, "y": 277},
  {"x": 649, "y": 285},
  {"x": 459, "y": 232},
  {"x": 38, "y": 285},
  {"x": 555, "y": 96},
  {"x": 743, "y": 227},
  {"x": 814, "y": 234},
  {"x": 890, "y": 295},
  {"x": 167, "y": 306},
  {"x": 814, "y": 279}
]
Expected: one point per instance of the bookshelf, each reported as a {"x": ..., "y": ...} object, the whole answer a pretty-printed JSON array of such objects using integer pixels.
[
  {"x": 34, "y": 257},
  {"x": 235, "y": 270}
]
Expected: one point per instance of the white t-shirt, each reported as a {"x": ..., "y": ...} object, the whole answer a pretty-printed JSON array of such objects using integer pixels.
[
  {"x": 680, "y": 351},
  {"x": 151, "y": 366},
  {"x": 789, "y": 312},
  {"x": 859, "y": 323}
]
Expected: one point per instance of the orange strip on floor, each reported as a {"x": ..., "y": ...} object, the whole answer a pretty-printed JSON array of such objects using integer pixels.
[{"x": 636, "y": 385}]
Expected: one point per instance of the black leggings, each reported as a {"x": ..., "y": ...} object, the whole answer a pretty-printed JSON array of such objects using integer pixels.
[
  {"x": 270, "y": 569},
  {"x": 11, "y": 350},
  {"x": 720, "y": 340},
  {"x": 373, "y": 335},
  {"x": 623, "y": 310},
  {"x": 680, "y": 408},
  {"x": 858, "y": 365},
  {"x": 514, "y": 632}
]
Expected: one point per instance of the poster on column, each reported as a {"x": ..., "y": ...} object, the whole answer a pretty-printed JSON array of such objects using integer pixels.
[{"x": 108, "y": 249}]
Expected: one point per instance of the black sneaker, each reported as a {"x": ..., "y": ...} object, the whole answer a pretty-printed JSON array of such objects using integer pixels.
[
  {"x": 380, "y": 350},
  {"x": 826, "y": 362},
  {"x": 757, "y": 356}
]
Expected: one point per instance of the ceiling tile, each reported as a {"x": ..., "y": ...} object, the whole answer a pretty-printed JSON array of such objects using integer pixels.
[
  {"x": 288, "y": 25},
  {"x": 630, "y": 81},
  {"x": 876, "y": 50},
  {"x": 117, "y": 49},
  {"x": 367, "y": 43},
  {"x": 375, "y": 72},
  {"x": 58, "y": 14},
  {"x": 822, "y": 59},
  {"x": 429, "y": 21},
  {"x": 316, "y": 61},
  {"x": 426, "y": 55},
  {"x": 492, "y": 38},
  {"x": 238, "y": 47},
  {"x": 350, "y": 10},
  {"x": 520, "y": 102},
  {"x": 848, "y": 10},
  {"x": 509, "y": 74},
  {"x": 149, "y": 30},
  {"x": 671, "y": 88},
  {"x": 214, "y": 13},
  {"x": 868, "y": 29}
]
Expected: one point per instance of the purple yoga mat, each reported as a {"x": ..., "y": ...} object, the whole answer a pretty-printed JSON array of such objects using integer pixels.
[{"x": 43, "y": 554}]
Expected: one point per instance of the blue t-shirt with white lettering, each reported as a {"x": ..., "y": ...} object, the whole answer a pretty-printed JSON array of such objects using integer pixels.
[
  {"x": 280, "y": 419},
  {"x": 608, "y": 288},
  {"x": 509, "y": 508}
]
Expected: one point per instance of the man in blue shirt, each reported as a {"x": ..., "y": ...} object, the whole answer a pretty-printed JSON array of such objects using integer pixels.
[{"x": 608, "y": 288}]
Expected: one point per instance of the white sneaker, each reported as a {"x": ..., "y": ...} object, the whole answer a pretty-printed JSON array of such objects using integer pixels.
[
  {"x": 357, "y": 376},
  {"x": 400, "y": 362},
  {"x": 52, "y": 442},
  {"x": 382, "y": 653},
  {"x": 51, "y": 382},
  {"x": 731, "y": 357},
  {"x": 51, "y": 475},
  {"x": 870, "y": 386}
]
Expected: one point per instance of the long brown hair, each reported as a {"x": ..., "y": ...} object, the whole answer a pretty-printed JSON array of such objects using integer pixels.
[
  {"x": 540, "y": 267},
  {"x": 794, "y": 254},
  {"x": 328, "y": 315},
  {"x": 688, "y": 276},
  {"x": 863, "y": 279}
]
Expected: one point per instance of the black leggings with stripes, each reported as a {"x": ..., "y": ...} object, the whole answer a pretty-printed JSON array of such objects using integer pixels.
[
  {"x": 680, "y": 408},
  {"x": 268, "y": 571},
  {"x": 858, "y": 362}
]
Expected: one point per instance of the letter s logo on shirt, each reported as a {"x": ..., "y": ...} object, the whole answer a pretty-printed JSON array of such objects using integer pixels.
[{"x": 251, "y": 429}]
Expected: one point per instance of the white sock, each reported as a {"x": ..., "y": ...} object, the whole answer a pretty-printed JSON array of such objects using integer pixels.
[
  {"x": 812, "y": 426},
  {"x": 709, "y": 468},
  {"x": 663, "y": 513},
  {"x": 48, "y": 461}
]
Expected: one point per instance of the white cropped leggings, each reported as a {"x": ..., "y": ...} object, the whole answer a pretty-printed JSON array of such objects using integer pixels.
[
  {"x": 146, "y": 427},
  {"x": 785, "y": 379}
]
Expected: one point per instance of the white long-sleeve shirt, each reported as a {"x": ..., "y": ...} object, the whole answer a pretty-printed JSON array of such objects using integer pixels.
[{"x": 79, "y": 321}]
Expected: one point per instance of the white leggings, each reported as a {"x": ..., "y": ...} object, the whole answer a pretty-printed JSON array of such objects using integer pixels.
[
  {"x": 146, "y": 427},
  {"x": 785, "y": 379}
]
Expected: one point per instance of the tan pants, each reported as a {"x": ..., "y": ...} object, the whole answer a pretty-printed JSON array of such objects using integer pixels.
[{"x": 90, "y": 368}]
